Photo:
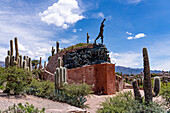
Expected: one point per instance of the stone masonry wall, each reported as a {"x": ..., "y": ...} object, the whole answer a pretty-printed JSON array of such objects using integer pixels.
[{"x": 52, "y": 64}]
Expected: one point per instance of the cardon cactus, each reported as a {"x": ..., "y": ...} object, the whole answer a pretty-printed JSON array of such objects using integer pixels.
[
  {"x": 52, "y": 51},
  {"x": 65, "y": 74},
  {"x": 11, "y": 47},
  {"x": 21, "y": 64},
  {"x": 12, "y": 59},
  {"x": 16, "y": 49},
  {"x": 57, "y": 79},
  {"x": 7, "y": 61},
  {"x": 157, "y": 86},
  {"x": 30, "y": 64},
  {"x": 57, "y": 47},
  {"x": 147, "y": 86},
  {"x": 18, "y": 64},
  {"x": 24, "y": 64},
  {"x": 60, "y": 75},
  {"x": 9, "y": 52}
]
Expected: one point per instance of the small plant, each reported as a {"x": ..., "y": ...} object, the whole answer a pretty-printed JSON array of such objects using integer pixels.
[
  {"x": 23, "y": 109},
  {"x": 165, "y": 93},
  {"x": 16, "y": 80},
  {"x": 125, "y": 103},
  {"x": 72, "y": 94}
]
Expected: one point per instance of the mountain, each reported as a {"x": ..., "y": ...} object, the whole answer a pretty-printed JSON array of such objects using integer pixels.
[
  {"x": 2, "y": 64},
  {"x": 128, "y": 70}
]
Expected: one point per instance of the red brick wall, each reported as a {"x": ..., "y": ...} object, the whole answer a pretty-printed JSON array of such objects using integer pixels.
[{"x": 101, "y": 75}]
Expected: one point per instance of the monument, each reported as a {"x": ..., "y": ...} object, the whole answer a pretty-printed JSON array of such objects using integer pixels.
[{"x": 101, "y": 32}]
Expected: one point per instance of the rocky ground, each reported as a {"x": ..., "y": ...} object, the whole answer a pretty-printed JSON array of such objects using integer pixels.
[{"x": 57, "y": 107}]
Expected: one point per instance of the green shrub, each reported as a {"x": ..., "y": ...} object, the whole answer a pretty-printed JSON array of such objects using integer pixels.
[
  {"x": 165, "y": 93},
  {"x": 125, "y": 103},
  {"x": 23, "y": 109},
  {"x": 16, "y": 80},
  {"x": 40, "y": 88},
  {"x": 77, "y": 89},
  {"x": 72, "y": 94},
  {"x": 36, "y": 73}
]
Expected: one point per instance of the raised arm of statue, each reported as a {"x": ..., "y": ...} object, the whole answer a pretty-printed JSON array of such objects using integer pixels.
[{"x": 103, "y": 20}]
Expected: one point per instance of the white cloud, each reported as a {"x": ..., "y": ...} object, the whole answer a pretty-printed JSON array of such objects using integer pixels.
[
  {"x": 140, "y": 35},
  {"x": 133, "y": 1},
  {"x": 29, "y": 31},
  {"x": 128, "y": 33},
  {"x": 68, "y": 41},
  {"x": 101, "y": 15},
  {"x": 74, "y": 30},
  {"x": 130, "y": 37},
  {"x": 91, "y": 40},
  {"x": 128, "y": 59},
  {"x": 130, "y": 1},
  {"x": 80, "y": 29},
  {"x": 62, "y": 13}
]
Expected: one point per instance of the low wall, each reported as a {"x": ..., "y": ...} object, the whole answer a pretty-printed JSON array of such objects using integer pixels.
[{"x": 101, "y": 76}]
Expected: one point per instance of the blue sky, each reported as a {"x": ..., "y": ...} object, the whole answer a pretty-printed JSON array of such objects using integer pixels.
[{"x": 130, "y": 25}]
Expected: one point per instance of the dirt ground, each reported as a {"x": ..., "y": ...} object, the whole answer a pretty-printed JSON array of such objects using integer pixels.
[
  {"x": 56, "y": 107},
  {"x": 95, "y": 100}
]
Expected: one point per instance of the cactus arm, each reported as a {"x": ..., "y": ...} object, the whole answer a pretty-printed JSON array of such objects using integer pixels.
[
  {"x": 136, "y": 92},
  {"x": 157, "y": 85}
]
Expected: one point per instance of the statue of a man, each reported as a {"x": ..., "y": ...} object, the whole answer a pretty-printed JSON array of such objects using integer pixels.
[{"x": 101, "y": 32}]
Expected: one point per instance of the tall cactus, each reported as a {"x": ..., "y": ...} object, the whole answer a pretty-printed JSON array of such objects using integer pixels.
[
  {"x": 52, "y": 51},
  {"x": 40, "y": 66},
  {"x": 147, "y": 77},
  {"x": 24, "y": 64},
  {"x": 16, "y": 49},
  {"x": 7, "y": 61},
  {"x": 21, "y": 64},
  {"x": 88, "y": 38},
  {"x": 60, "y": 75},
  {"x": 9, "y": 52},
  {"x": 157, "y": 86},
  {"x": 65, "y": 74},
  {"x": 11, "y": 47},
  {"x": 30, "y": 64},
  {"x": 57, "y": 47},
  {"x": 17, "y": 61},
  {"x": 147, "y": 86},
  {"x": 136, "y": 91},
  {"x": 12, "y": 59},
  {"x": 45, "y": 65},
  {"x": 18, "y": 64}
]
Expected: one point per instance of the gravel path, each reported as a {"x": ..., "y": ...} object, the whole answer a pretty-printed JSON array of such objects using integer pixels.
[
  {"x": 49, "y": 105},
  {"x": 56, "y": 107}
]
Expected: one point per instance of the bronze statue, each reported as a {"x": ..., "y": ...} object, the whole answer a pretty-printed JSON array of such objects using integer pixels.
[
  {"x": 101, "y": 32},
  {"x": 88, "y": 38}
]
